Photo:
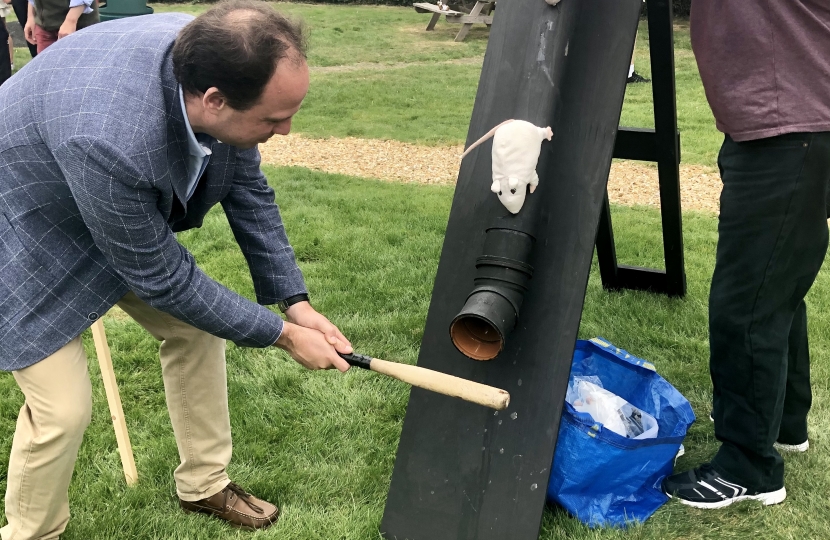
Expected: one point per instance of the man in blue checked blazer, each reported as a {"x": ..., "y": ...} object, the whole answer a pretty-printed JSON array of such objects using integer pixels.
[{"x": 112, "y": 140}]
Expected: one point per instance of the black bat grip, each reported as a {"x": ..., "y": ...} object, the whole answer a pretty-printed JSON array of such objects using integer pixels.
[{"x": 357, "y": 360}]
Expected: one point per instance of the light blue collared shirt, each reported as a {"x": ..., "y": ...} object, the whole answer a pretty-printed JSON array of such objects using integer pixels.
[
  {"x": 75, "y": 3},
  {"x": 198, "y": 149}
]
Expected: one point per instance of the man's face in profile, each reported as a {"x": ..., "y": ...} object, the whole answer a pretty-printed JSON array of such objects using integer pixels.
[{"x": 272, "y": 114}]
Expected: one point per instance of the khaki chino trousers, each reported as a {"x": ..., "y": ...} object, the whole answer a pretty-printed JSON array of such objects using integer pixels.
[{"x": 58, "y": 406}]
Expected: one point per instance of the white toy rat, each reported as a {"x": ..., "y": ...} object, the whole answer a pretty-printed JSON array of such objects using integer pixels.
[{"x": 516, "y": 148}]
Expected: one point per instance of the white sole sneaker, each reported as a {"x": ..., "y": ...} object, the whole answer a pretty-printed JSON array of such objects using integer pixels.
[
  {"x": 798, "y": 448},
  {"x": 767, "y": 499}
]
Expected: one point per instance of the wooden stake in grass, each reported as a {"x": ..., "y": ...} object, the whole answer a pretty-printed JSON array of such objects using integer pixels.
[{"x": 114, "y": 401}]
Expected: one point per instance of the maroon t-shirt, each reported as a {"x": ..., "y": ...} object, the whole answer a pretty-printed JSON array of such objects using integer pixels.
[{"x": 765, "y": 64}]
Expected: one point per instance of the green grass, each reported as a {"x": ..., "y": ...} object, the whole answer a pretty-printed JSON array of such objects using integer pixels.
[
  {"x": 323, "y": 444},
  {"x": 430, "y": 103},
  {"x": 345, "y": 35},
  {"x": 407, "y": 104}
]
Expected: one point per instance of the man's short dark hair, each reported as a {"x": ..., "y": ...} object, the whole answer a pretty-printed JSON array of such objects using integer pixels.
[{"x": 235, "y": 47}]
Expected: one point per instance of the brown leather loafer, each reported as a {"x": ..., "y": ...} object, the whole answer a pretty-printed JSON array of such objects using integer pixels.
[{"x": 237, "y": 507}]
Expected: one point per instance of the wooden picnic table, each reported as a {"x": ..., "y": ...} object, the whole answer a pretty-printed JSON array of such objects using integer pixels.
[{"x": 479, "y": 14}]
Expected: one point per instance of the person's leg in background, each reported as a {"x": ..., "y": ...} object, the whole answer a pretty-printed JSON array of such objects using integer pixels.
[
  {"x": 772, "y": 240},
  {"x": 44, "y": 38},
  {"x": 49, "y": 432},
  {"x": 633, "y": 76},
  {"x": 21, "y": 9},
  {"x": 5, "y": 61},
  {"x": 11, "y": 48}
]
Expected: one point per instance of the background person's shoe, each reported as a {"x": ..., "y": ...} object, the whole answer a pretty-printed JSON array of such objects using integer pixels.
[
  {"x": 636, "y": 78},
  {"x": 239, "y": 508},
  {"x": 705, "y": 488}
]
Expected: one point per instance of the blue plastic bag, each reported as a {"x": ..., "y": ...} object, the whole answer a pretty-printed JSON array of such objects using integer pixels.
[{"x": 600, "y": 477}]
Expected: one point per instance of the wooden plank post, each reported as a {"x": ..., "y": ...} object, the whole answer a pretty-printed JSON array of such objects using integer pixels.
[
  {"x": 465, "y": 29},
  {"x": 433, "y": 21},
  {"x": 114, "y": 400}
]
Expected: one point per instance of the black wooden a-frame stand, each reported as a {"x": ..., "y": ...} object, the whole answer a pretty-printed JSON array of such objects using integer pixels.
[
  {"x": 660, "y": 145},
  {"x": 463, "y": 472}
]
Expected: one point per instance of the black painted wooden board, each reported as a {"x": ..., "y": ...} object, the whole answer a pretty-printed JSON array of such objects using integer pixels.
[{"x": 463, "y": 472}]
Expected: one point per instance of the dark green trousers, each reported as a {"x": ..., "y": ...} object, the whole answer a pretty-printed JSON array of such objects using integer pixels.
[{"x": 772, "y": 239}]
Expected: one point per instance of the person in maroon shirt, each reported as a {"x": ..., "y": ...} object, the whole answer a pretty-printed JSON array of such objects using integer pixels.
[{"x": 765, "y": 67}]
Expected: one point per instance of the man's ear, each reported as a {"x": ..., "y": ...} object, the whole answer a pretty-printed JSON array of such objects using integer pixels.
[{"x": 213, "y": 100}]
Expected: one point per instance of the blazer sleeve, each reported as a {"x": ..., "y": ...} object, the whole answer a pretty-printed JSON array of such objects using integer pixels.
[
  {"x": 255, "y": 220},
  {"x": 119, "y": 205}
]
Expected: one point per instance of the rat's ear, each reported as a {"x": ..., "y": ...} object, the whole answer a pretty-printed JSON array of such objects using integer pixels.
[
  {"x": 548, "y": 133},
  {"x": 495, "y": 187}
]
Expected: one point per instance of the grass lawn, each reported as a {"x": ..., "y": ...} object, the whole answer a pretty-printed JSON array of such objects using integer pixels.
[{"x": 323, "y": 444}]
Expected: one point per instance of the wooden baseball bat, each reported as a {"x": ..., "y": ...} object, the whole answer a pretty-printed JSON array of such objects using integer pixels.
[{"x": 434, "y": 381}]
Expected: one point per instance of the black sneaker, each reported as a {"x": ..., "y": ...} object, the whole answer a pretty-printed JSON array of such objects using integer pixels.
[
  {"x": 705, "y": 488},
  {"x": 636, "y": 78}
]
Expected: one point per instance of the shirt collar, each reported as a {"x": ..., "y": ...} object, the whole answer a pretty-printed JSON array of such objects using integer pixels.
[{"x": 197, "y": 147}]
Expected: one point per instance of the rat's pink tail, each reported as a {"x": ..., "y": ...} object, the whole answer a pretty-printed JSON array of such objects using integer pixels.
[{"x": 484, "y": 137}]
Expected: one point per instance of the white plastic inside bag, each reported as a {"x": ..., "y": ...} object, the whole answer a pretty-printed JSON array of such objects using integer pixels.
[{"x": 587, "y": 395}]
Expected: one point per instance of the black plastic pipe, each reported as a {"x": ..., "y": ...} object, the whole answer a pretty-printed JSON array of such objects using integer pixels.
[{"x": 503, "y": 272}]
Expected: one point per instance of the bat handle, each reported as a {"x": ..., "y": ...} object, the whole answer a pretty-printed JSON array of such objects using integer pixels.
[{"x": 357, "y": 360}]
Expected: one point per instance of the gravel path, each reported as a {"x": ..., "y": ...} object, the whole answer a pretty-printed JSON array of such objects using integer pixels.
[{"x": 630, "y": 183}]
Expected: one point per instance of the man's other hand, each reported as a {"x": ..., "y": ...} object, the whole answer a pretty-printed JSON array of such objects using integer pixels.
[
  {"x": 70, "y": 23},
  {"x": 68, "y": 27},
  {"x": 303, "y": 314},
  {"x": 29, "y": 30},
  {"x": 310, "y": 348},
  {"x": 312, "y": 340}
]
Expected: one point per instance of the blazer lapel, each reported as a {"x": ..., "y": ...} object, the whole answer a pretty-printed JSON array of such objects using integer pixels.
[{"x": 177, "y": 150}]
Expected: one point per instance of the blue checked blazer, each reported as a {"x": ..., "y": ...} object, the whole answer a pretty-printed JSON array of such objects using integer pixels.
[{"x": 92, "y": 190}]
